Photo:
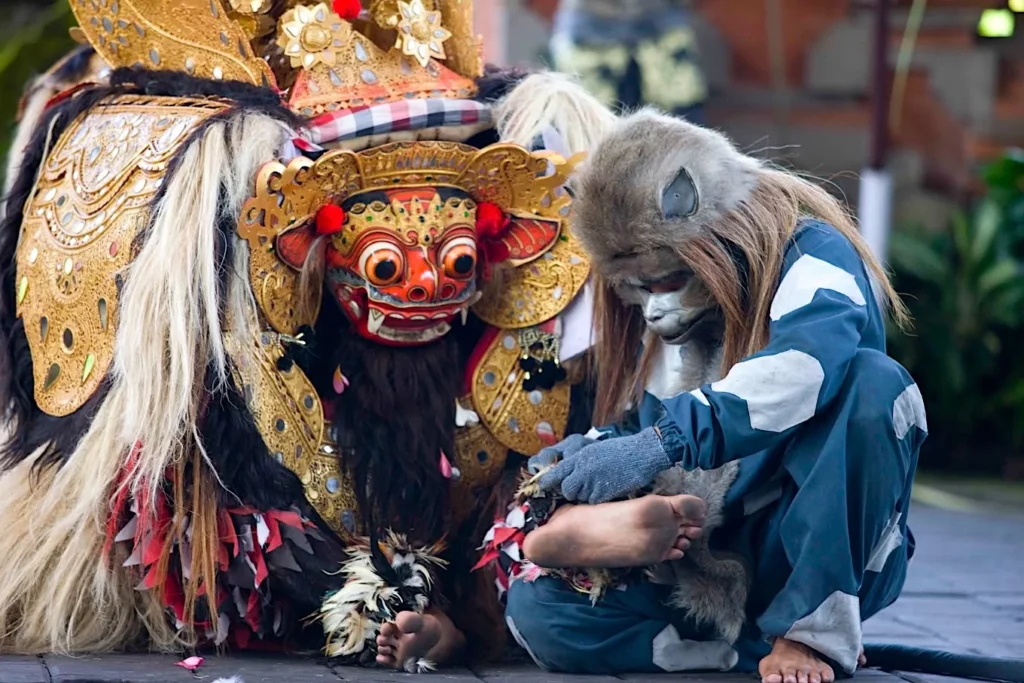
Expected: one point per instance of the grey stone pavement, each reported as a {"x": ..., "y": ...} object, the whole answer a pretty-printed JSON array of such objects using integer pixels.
[{"x": 965, "y": 593}]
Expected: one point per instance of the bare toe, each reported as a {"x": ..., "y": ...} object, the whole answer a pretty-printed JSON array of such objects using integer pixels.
[
  {"x": 690, "y": 509},
  {"x": 409, "y": 622},
  {"x": 672, "y": 555},
  {"x": 772, "y": 678}
]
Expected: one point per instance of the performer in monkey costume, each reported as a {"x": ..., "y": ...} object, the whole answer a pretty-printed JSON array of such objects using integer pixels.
[
  {"x": 281, "y": 299},
  {"x": 722, "y": 257}
]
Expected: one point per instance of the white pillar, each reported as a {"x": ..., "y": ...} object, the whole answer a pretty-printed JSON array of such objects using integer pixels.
[{"x": 875, "y": 211}]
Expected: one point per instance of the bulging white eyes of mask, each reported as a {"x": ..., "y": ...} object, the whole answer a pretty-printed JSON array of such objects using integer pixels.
[{"x": 679, "y": 200}]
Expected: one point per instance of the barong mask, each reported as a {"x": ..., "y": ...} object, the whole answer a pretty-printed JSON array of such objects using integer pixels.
[
  {"x": 401, "y": 264},
  {"x": 407, "y": 233}
]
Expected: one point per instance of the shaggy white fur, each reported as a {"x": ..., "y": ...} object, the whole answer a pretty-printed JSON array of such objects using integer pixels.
[
  {"x": 170, "y": 325},
  {"x": 59, "y": 593},
  {"x": 552, "y": 100}
]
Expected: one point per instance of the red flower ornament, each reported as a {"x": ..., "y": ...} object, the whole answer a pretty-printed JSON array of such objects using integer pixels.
[
  {"x": 491, "y": 221},
  {"x": 348, "y": 9},
  {"x": 330, "y": 219}
]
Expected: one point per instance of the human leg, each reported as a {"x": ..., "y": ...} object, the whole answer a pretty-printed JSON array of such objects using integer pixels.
[
  {"x": 631, "y": 630},
  {"x": 836, "y": 551}
]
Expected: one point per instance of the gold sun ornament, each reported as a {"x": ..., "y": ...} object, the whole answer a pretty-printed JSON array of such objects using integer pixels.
[
  {"x": 420, "y": 34},
  {"x": 312, "y": 35}
]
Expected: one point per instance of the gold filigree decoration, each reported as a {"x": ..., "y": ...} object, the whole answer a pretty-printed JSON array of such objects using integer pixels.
[
  {"x": 520, "y": 182},
  {"x": 258, "y": 28},
  {"x": 525, "y": 421},
  {"x": 92, "y": 200},
  {"x": 533, "y": 293},
  {"x": 251, "y": 6},
  {"x": 413, "y": 225},
  {"x": 313, "y": 35},
  {"x": 465, "y": 49},
  {"x": 386, "y": 13},
  {"x": 420, "y": 33},
  {"x": 290, "y": 418},
  {"x": 197, "y": 37},
  {"x": 480, "y": 459}
]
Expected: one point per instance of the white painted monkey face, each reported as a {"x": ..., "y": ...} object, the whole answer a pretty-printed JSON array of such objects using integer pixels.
[{"x": 671, "y": 304}]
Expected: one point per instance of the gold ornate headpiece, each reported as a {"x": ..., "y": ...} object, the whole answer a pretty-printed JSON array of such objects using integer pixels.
[
  {"x": 326, "y": 56},
  {"x": 525, "y": 185}
]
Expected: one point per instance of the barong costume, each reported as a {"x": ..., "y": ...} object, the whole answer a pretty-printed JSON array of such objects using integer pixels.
[{"x": 268, "y": 293}]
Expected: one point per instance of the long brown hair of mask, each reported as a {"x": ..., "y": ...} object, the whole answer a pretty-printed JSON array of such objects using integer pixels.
[{"x": 759, "y": 228}]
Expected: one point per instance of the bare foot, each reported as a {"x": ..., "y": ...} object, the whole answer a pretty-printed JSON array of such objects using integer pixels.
[
  {"x": 411, "y": 637},
  {"x": 629, "y": 533},
  {"x": 862, "y": 661},
  {"x": 790, "y": 662}
]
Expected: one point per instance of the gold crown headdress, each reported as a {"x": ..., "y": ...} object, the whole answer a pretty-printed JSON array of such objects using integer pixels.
[{"x": 326, "y": 57}]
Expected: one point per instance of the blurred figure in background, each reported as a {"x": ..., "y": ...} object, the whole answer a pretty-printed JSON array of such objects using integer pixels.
[{"x": 632, "y": 53}]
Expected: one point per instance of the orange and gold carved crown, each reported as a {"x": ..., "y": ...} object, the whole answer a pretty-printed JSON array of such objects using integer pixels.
[
  {"x": 414, "y": 223},
  {"x": 325, "y": 56}
]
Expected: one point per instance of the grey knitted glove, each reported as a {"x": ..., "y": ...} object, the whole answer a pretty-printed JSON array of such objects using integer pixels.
[
  {"x": 609, "y": 469},
  {"x": 563, "y": 450}
]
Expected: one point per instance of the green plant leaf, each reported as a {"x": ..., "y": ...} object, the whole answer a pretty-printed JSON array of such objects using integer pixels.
[
  {"x": 917, "y": 257},
  {"x": 1002, "y": 273},
  {"x": 987, "y": 220},
  {"x": 961, "y": 229}
]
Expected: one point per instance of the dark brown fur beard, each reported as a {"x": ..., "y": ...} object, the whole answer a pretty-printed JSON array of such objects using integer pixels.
[{"x": 393, "y": 422}]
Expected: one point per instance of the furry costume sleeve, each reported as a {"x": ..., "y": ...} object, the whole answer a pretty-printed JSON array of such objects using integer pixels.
[{"x": 820, "y": 312}]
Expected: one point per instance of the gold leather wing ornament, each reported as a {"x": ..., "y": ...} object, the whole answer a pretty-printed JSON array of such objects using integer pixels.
[
  {"x": 535, "y": 291},
  {"x": 196, "y": 37},
  {"x": 290, "y": 418},
  {"x": 525, "y": 421},
  {"x": 93, "y": 198}
]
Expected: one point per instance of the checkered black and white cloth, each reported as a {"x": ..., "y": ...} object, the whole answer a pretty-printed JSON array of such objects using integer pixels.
[{"x": 391, "y": 117}]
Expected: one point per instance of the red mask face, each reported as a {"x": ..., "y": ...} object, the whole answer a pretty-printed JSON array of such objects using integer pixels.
[{"x": 404, "y": 264}]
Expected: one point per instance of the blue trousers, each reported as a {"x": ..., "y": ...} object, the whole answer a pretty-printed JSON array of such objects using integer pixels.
[{"x": 829, "y": 552}]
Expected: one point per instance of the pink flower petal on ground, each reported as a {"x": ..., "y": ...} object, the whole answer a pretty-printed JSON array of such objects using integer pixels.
[{"x": 192, "y": 663}]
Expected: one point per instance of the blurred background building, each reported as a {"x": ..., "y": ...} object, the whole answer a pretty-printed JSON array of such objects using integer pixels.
[{"x": 793, "y": 77}]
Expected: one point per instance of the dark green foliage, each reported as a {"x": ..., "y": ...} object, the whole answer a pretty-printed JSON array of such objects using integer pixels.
[
  {"x": 33, "y": 39},
  {"x": 965, "y": 289}
]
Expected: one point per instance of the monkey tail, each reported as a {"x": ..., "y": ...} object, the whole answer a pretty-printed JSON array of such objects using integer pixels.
[{"x": 939, "y": 663}]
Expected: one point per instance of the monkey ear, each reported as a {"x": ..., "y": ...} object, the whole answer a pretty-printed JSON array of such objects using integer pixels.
[{"x": 680, "y": 199}]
